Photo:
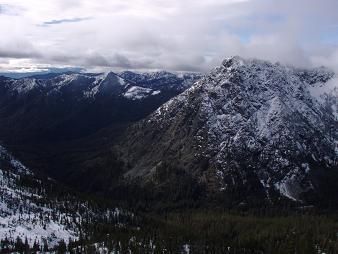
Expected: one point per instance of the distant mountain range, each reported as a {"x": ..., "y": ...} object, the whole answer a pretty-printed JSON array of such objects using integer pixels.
[
  {"x": 43, "y": 73},
  {"x": 73, "y": 105},
  {"x": 44, "y": 120}
]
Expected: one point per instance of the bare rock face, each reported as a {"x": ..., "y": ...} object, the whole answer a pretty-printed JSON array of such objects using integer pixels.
[{"x": 248, "y": 126}]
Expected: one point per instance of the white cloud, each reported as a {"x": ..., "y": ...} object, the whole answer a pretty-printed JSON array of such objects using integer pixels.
[{"x": 163, "y": 34}]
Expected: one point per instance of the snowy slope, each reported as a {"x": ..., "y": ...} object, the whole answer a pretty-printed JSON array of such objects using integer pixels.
[
  {"x": 26, "y": 210},
  {"x": 21, "y": 213}
]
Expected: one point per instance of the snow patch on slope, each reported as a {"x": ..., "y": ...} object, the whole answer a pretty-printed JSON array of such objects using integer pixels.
[{"x": 138, "y": 93}]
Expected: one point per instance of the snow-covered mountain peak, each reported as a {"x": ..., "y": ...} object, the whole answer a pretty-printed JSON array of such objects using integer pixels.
[
  {"x": 310, "y": 76},
  {"x": 109, "y": 83},
  {"x": 249, "y": 117},
  {"x": 257, "y": 80},
  {"x": 112, "y": 78}
]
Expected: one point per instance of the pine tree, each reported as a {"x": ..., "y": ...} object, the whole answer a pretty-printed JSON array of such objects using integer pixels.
[
  {"x": 27, "y": 248},
  {"x": 61, "y": 248},
  {"x": 19, "y": 246},
  {"x": 45, "y": 245},
  {"x": 36, "y": 246}
]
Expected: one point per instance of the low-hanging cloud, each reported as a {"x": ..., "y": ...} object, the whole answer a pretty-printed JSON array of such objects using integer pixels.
[{"x": 182, "y": 35}]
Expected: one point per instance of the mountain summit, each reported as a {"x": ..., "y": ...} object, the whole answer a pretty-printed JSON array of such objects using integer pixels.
[{"x": 250, "y": 127}]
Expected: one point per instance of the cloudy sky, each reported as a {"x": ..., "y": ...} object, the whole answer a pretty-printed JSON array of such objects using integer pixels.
[{"x": 182, "y": 35}]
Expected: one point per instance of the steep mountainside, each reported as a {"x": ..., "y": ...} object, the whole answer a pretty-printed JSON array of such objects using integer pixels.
[{"x": 249, "y": 128}]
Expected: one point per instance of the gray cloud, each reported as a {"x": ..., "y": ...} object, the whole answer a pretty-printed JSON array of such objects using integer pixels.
[
  {"x": 176, "y": 35},
  {"x": 18, "y": 54},
  {"x": 18, "y": 49}
]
